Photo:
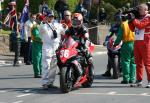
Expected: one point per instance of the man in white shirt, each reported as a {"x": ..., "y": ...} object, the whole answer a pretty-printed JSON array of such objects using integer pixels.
[{"x": 28, "y": 46}]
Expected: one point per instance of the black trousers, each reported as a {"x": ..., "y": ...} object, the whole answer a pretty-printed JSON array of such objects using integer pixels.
[
  {"x": 28, "y": 51},
  {"x": 14, "y": 46},
  {"x": 16, "y": 50}
]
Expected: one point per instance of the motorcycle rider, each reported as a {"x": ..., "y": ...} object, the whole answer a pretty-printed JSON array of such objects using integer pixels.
[
  {"x": 79, "y": 32},
  {"x": 113, "y": 30}
]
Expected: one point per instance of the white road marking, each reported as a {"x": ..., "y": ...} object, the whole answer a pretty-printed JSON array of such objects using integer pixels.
[
  {"x": 144, "y": 94},
  {"x": 18, "y": 102},
  {"x": 99, "y": 53},
  {"x": 23, "y": 95},
  {"x": 2, "y": 91},
  {"x": 113, "y": 94},
  {"x": 1, "y": 65},
  {"x": 2, "y": 102}
]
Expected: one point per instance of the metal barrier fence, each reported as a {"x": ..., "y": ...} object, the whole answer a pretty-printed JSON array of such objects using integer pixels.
[{"x": 98, "y": 33}]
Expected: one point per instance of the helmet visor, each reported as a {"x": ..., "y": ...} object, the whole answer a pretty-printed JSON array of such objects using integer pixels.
[{"x": 76, "y": 22}]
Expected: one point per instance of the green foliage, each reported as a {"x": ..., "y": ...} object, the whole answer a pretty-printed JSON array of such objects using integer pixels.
[
  {"x": 72, "y": 4},
  {"x": 34, "y": 4},
  {"x": 122, "y": 3},
  {"x": 111, "y": 10}
]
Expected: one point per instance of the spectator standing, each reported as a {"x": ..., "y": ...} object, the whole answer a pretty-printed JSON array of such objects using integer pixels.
[
  {"x": 12, "y": 22},
  {"x": 102, "y": 15},
  {"x": 127, "y": 52},
  {"x": 80, "y": 9},
  {"x": 36, "y": 49},
  {"x": 141, "y": 27},
  {"x": 43, "y": 7},
  {"x": 66, "y": 22},
  {"x": 28, "y": 45},
  {"x": 50, "y": 33},
  {"x": 87, "y": 5},
  {"x": 61, "y": 6}
]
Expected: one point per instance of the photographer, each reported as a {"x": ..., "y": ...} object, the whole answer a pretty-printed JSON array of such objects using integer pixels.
[{"x": 141, "y": 27}]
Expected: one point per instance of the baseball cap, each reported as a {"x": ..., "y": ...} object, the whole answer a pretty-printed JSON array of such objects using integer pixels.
[{"x": 50, "y": 13}]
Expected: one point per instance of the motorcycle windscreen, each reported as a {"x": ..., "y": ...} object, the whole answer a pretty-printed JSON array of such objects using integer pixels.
[{"x": 70, "y": 42}]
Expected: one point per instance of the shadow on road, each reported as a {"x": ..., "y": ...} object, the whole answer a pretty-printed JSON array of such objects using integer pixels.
[
  {"x": 101, "y": 77},
  {"x": 33, "y": 90}
]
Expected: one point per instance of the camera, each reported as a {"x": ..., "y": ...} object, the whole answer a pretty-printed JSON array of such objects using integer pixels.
[{"x": 134, "y": 11}]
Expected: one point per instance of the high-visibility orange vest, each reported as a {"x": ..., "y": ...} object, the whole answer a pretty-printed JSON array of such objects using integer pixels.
[{"x": 128, "y": 35}]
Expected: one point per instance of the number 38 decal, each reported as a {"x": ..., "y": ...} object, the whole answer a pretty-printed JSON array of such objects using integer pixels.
[{"x": 64, "y": 53}]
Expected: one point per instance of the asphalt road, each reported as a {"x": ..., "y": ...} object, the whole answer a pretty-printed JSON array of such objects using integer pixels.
[{"x": 17, "y": 85}]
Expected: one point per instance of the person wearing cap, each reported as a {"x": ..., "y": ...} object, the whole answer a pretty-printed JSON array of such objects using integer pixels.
[
  {"x": 50, "y": 32},
  {"x": 36, "y": 48},
  {"x": 28, "y": 45},
  {"x": 12, "y": 23},
  {"x": 66, "y": 22}
]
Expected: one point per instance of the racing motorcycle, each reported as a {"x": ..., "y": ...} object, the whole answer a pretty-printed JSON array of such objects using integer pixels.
[
  {"x": 73, "y": 64},
  {"x": 113, "y": 57}
]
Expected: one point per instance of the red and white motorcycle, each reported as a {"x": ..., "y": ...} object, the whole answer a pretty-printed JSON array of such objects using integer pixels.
[{"x": 73, "y": 64}]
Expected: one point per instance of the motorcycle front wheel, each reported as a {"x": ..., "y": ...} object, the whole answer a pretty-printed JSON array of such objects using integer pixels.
[
  {"x": 115, "y": 68},
  {"x": 66, "y": 79}
]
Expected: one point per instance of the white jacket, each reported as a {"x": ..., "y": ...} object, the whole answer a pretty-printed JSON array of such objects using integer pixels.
[{"x": 49, "y": 43}]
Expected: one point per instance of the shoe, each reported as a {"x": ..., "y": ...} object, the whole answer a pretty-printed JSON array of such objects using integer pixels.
[
  {"x": 28, "y": 63},
  {"x": 107, "y": 74},
  {"x": 137, "y": 84},
  {"x": 52, "y": 86},
  {"x": 45, "y": 86},
  {"x": 124, "y": 82},
  {"x": 37, "y": 76},
  {"x": 148, "y": 85},
  {"x": 16, "y": 63}
]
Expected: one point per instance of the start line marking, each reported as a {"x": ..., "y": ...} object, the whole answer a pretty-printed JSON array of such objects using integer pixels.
[
  {"x": 113, "y": 94},
  {"x": 99, "y": 53}
]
